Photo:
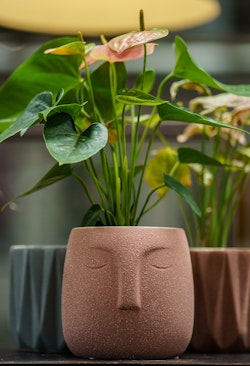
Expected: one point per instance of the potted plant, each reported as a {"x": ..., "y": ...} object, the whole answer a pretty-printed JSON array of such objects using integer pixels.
[
  {"x": 220, "y": 265},
  {"x": 78, "y": 92}
]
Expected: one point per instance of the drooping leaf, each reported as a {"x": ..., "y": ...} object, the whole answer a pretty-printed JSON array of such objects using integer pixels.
[
  {"x": 183, "y": 192},
  {"x": 138, "y": 97},
  {"x": 172, "y": 112},
  {"x": 186, "y": 68},
  {"x": 30, "y": 115},
  {"x": 55, "y": 174},
  {"x": 190, "y": 155},
  {"x": 68, "y": 146}
]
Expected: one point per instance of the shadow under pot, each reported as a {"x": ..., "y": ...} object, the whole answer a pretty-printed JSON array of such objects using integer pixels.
[
  {"x": 35, "y": 297},
  {"x": 127, "y": 293}
]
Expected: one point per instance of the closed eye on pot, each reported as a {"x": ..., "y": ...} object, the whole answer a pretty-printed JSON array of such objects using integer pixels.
[
  {"x": 159, "y": 258},
  {"x": 96, "y": 258}
]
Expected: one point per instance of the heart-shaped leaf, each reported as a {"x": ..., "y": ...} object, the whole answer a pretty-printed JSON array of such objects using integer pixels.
[{"x": 68, "y": 146}]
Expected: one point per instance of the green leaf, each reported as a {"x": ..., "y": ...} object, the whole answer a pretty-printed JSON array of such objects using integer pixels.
[
  {"x": 183, "y": 192},
  {"x": 30, "y": 116},
  {"x": 72, "y": 48},
  {"x": 138, "y": 97},
  {"x": 66, "y": 145},
  {"x": 72, "y": 109},
  {"x": 172, "y": 112},
  {"x": 102, "y": 90},
  {"x": 55, "y": 174},
  {"x": 186, "y": 68},
  {"x": 5, "y": 123},
  {"x": 146, "y": 81},
  {"x": 92, "y": 215},
  {"x": 189, "y": 155},
  {"x": 244, "y": 151},
  {"x": 38, "y": 73}
]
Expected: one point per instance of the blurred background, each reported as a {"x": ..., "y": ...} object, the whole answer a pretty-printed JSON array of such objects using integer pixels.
[{"x": 222, "y": 47}]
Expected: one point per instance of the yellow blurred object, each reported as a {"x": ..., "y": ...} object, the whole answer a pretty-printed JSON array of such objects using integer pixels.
[{"x": 104, "y": 17}]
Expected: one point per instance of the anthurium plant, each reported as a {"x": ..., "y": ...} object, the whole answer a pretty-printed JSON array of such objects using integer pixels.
[
  {"x": 218, "y": 181},
  {"x": 219, "y": 187},
  {"x": 79, "y": 93}
]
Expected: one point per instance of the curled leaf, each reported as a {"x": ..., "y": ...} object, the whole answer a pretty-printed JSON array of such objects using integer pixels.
[{"x": 73, "y": 48}]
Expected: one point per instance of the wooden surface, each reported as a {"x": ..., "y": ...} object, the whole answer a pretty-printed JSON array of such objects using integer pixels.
[{"x": 11, "y": 355}]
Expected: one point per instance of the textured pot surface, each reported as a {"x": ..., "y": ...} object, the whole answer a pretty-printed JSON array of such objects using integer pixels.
[
  {"x": 127, "y": 292},
  {"x": 35, "y": 297},
  {"x": 222, "y": 300}
]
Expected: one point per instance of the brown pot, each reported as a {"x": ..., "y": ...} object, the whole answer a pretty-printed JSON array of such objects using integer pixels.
[
  {"x": 222, "y": 300},
  {"x": 127, "y": 292}
]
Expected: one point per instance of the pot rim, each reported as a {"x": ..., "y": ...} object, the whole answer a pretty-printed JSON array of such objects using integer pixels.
[
  {"x": 218, "y": 249},
  {"x": 128, "y": 227},
  {"x": 37, "y": 246}
]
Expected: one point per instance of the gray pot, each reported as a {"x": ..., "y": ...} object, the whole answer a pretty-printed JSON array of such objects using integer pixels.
[{"x": 35, "y": 297}]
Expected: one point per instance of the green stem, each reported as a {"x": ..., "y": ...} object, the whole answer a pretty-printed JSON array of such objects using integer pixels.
[
  {"x": 85, "y": 188},
  {"x": 144, "y": 210},
  {"x": 89, "y": 83}
]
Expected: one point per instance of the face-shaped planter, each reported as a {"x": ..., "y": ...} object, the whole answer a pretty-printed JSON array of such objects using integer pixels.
[{"x": 127, "y": 292}]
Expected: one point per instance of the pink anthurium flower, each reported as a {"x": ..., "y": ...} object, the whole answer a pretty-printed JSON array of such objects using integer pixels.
[
  {"x": 105, "y": 53},
  {"x": 129, "y": 46},
  {"x": 121, "y": 43}
]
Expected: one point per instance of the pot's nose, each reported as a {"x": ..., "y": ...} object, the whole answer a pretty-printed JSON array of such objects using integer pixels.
[{"x": 129, "y": 291}]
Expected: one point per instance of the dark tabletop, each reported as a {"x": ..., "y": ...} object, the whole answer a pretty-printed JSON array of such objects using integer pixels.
[{"x": 9, "y": 354}]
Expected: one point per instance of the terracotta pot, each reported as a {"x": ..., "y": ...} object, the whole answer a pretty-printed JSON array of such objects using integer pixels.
[
  {"x": 35, "y": 297},
  {"x": 127, "y": 293},
  {"x": 222, "y": 300}
]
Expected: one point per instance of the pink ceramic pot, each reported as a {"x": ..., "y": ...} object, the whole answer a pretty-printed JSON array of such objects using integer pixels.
[{"x": 127, "y": 293}]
